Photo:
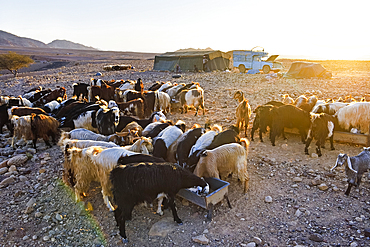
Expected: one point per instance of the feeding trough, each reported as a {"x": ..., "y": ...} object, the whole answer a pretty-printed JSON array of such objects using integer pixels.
[{"x": 218, "y": 191}]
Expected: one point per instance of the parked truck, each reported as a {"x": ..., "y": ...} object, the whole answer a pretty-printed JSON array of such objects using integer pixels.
[{"x": 246, "y": 60}]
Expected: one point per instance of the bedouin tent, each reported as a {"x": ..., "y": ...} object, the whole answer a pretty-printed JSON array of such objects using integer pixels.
[
  {"x": 307, "y": 70},
  {"x": 203, "y": 60}
]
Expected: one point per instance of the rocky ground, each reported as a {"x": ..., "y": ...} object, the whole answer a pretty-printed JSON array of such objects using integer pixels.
[{"x": 293, "y": 199}]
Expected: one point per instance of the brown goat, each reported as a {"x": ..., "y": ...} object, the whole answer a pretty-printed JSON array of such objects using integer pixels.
[
  {"x": 243, "y": 112},
  {"x": 44, "y": 126}
]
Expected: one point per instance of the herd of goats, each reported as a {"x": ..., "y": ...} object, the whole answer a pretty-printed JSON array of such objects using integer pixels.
[{"x": 119, "y": 136}]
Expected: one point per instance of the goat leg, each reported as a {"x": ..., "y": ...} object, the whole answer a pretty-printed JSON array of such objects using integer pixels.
[
  {"x": 332, "y": 142},
  {"x": 308, "y": 142},
  {"x": 171, "y": 203},
  {"x": 348, "y": 189}
]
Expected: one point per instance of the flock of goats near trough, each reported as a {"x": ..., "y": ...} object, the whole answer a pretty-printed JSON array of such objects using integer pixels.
[{"x": 120, "y": 137}]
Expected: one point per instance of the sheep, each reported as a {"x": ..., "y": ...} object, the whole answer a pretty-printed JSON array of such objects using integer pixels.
[
  {"x": 287, "y": 99},
  {"x": 164, "y": 103},
  {"x": 84, "y": 134},
  {"x": 133, "y": 127},
  {"x": 206, "y": 139},
  {"x": 355, "y": 115},
  {"x": 44, "y": 126},
  {"x": 22, "y": 128},
  {"x": 322, "y": 127},
  {"x": 224, "y": 137},
  {"x": 92, "y": 164},
  {"x": 243, "y": 112},
  {"x": 289, "y": 116},
  {"x": 107, "y": 120},
  {"x": 311, "y": 102},
  {"x": 156, "y": 128},
  {"x": 355, "y": 167},
  {"x": 141, "y": 145},
  {"x": 165, "y": 138},
  {"x": 86, "y": 120},
  {"x": 301, "y": 100},
  {"x": 224, "y": 160},
  {"x": 163, "y": 178},
  {"x": 85, "y": 143},
  {"x": 185, "y": 143},
  {"x": 172, "y": 92},
  {"x": 193, "y": 97},
  {"x": 329, "y": 108}
]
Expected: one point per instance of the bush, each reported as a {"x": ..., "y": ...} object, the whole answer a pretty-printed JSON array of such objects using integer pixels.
[{"x": 13, "y": 62}]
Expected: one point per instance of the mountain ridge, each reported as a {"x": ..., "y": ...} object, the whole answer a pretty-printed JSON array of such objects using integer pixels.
[{"x": 8, "y": 39}]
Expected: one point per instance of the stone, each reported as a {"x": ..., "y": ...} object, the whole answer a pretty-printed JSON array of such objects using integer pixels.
[
  {"x": 31, "y": 202},
  {"x": 314, "y": 155},
  {"x": 42, "y": 170},
  {"x": 268, "y": 199},
  {"x": 358, "y": 219},
  {"x": 297, "y": 179},
  {"x": 185, "y": 202},
  {"x": 316, "y": 237},
  {"x": 205, "y": 231},
  {"x": 201, "y": 239},
  {"x": 31, "y": 150},
  {"x": 25, "y": 237},
  {"x": 257, "y": 240},
  {"x": 59, "y": 217},
  {"x": 28, "y": 210},
  {"x": 38, "y": 214},
  {"x": 162, "y": 227},
  {"x": 4, "y": 164},
  {"x": 12, "y": 168},
  {"x": 23, "y": 178},
  {"x": 353, "y": 244},
  {"x": 298, "y": 213},
  {"x": 7, "y": 181},
  {"x": 18, "y": 160},
  {"x": 34, "y": 237},
  {"x": 3, "y": 170},
  {"x": 367, "y": 232},
  {"x": 323, "y": 186},
  {"x": 315, "y": 182},
  {"x": 251, "y": 244},
  {"x": 46, "y": 238}
]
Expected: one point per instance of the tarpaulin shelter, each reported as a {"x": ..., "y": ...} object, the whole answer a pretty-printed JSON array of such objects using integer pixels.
[
  {"x": 307, "y": 70},
  {"x": 203, "y": 60}
]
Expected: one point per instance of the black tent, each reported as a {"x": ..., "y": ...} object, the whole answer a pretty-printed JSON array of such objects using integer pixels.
[
  {"x": 307, "y": 70},
  {"x": 203, "y": 60}
]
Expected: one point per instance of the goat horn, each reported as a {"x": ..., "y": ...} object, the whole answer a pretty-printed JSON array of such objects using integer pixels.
[{"x": 350, "y": 165}]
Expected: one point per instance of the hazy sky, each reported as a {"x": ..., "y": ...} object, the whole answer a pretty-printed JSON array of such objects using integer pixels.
[{"x": 323, "y": 29}]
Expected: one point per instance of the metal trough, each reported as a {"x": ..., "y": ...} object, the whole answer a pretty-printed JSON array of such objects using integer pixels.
[{"x": 219, "y": 191}]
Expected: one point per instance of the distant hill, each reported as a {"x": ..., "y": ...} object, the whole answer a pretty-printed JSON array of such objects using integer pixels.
[
  {"x": 65, "y": 44},
  {"x": 193, "y": 49},
  {"x": 8, "y": 39}
]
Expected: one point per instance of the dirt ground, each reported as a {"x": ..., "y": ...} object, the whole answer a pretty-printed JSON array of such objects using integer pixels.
[{"x": 299, "y": 212}]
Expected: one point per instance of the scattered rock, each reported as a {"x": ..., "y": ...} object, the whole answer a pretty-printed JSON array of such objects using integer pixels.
[
  {"x": 162, "y": 227},
  {"x": 353, "y": 244},
  {"x": 7, "y": 181},
  {"x": 268, "y": 199},
  {"x": 298, "y": 213},
  {"x": 297, "y": 179},
  {"x": 18, "y": 160},
  {"x": 12, "y": 168},
  {"x": 201, "y": 239},
  {"x": 314, "y": 155},
  {"x": 257, "y": 240},
  {"x": 4, "y": 164},
  {"x": 316, "y": 237},
  {"x": 59, "y": 217},
  {"x": 323, "y": 186},
  {"x": 367, "y": 232},
  {"x": 3, "y": 170}
]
